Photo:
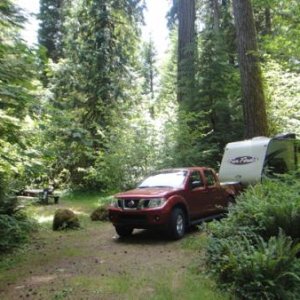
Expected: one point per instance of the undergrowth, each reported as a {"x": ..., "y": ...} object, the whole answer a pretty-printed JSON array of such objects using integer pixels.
[
  {"x": 253, "y": 253},
  {"x": 15, "y": 226}
]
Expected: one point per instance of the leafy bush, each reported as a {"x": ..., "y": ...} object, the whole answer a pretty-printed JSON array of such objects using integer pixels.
[
  {"x": 14, "y": 230},
  {"x": 8, "y": 203},
  {"x": 14, "y": 225},
  {"x": 254, "y": 251},
  {"x": 260, "y": 270},
  {"x": 264, "y": 209}
]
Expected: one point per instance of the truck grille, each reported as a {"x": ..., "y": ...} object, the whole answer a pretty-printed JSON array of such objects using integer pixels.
[
  {"x": 128, "y": 203},
  {"x": 133, "y": 204}
]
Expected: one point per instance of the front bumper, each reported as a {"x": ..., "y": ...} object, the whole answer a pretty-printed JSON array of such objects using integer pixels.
[{"x": 139, "y": 218}]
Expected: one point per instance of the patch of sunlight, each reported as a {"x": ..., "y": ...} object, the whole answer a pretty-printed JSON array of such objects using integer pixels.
[
  {"x": 42, "y": 279},
  {"x": 43, "y": 219},
  {"x": 78, "y": 212}
]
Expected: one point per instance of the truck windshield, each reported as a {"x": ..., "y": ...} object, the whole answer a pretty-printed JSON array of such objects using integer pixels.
[{"x": 167, "y": 179}]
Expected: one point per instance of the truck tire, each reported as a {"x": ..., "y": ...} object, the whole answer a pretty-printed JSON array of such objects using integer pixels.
[
  {"x": 177, "y": 224},
  {"x": 124, "y": 231}
]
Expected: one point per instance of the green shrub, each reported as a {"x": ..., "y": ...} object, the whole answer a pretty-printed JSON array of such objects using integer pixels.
[
  {"x": 260, "y": 270},
  {"x": 14, "y": 230},
  {"x": 8, "y": 205},
  {"x": 254, "y": 251},
  {"x": 264, "y": 209}
]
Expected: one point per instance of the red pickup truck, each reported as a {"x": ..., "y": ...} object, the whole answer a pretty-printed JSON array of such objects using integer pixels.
[{"x": 172, "y": 200}]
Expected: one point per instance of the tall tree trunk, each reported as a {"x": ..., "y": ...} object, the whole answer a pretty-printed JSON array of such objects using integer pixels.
[
  {"x": 255, "y": 116},
  {"x": 216, "y": 14},
  {"x": 268, "y": 22},
  {"x": 186, "y": 49}
]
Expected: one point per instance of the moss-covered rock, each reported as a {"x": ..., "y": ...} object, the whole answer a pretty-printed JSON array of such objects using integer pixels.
[
  {"x": 65, "y": 218},
  {"x": 100, "y": 213}
]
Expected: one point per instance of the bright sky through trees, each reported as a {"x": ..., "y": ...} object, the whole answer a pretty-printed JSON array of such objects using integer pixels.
[
  {"x": 155, "y": 19},
  {"x": 30, "y": 8},
  {"x": 156, "y": 24}
]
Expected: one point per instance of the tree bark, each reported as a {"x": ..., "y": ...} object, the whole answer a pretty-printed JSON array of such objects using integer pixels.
[
  {"x": 254, "y": 108},
  {"x": 186, "y": 49},
  {"x": 216, "y": 14},
  {"x": 268, "y": 22}
]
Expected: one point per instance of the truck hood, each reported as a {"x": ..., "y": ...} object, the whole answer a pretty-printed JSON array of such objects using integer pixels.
[{"x": 147, "y": 192}]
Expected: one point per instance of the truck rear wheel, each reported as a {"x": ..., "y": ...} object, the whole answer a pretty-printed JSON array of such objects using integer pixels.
[
  {"x": 124, "y": 231},
  {"x": 177, "y": 224}
]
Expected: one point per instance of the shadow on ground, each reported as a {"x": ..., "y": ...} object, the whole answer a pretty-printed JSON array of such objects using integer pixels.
[{"x": 151, "y": 237}]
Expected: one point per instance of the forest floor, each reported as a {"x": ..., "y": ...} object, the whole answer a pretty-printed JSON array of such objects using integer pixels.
[{"x": 94, "y": 263}]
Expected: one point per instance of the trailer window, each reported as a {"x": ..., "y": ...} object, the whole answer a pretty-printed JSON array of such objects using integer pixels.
[
  {"x": 277, "y": 166},
  {"x": 281, "y": 157}
]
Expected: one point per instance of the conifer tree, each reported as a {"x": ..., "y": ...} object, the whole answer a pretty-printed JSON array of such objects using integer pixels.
[
  {"x": 50, "y": 34},
  {"x": 94, "y": 81},
  {"x": 149, "y": 70},
  {"x": 17, "y": 70}
]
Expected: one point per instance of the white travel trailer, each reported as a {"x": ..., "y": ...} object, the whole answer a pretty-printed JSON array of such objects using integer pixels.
[{"x": 249, "y": 161}]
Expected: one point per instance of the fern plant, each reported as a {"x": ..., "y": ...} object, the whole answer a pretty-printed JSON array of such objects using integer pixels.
[
  {"x": 264, "y": 270},
  {"x": 254, "y": 251}
]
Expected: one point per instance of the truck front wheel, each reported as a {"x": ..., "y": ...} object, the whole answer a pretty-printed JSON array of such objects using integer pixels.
[
  {"x": 177, "y": 224},
  {"x": 124, "y": 231}
]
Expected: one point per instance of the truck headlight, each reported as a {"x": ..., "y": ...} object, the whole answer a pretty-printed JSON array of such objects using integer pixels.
[
  {"x": 156, "y": 202},
  {"x": 114, "y": 203}
]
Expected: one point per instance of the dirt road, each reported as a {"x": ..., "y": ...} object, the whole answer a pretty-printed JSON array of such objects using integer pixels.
[{"x": 93, "y": 263}]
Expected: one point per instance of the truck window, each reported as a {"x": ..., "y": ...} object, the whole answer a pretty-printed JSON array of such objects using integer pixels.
[
  {"x": 195, "y": 180},
  {"x": 210, "y": 178}
]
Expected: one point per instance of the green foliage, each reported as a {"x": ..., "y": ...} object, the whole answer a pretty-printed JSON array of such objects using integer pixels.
[
  {"x": 130, "y": 153},
  {"x": 16, "y": 69},
  {"x": 253, "y": 251},
  {"x": 190, "y": 148},
  {"x": 14, "y": 230},
  {"x": 149, "y": 70},
  {"x": 90, "y": 87},
  {"x": 195, "y": 242},
  {"x": 279, "y": 41},
  {"x": 265, "y": 209},
  {"x": 51, "y": 27},
  {"x": 211, "y": 115},
  {"x": 283, "y": 88},
  {"x": 260, "y": 270},
  {"x": 218, "y": 79},
  {"x": 10, "y": 15},
  {"x": 15, "y": 227},
  {"x": 16, "y": 98},
  {"x": 7, "y": 204},
  {"x": 277, "y": 27},
  {"x": 99, "y": 123}
]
